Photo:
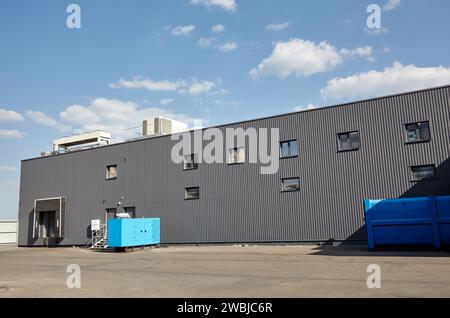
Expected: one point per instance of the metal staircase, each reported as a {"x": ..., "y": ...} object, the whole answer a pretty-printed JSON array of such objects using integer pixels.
[{"x": 100, "y": 237}]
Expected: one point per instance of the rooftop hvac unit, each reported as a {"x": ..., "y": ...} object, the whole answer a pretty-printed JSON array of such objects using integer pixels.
[
  {"x": 162, "y": 126},
  {"x": 76, "y": 142}
]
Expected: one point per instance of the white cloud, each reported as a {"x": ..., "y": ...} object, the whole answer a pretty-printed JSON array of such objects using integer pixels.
[
  {"x": 277, "y": 27},
  {"x": 182, "y": 30},
  {"x": 218, "y": 28},
  {"x": 227, "y": 5},
  {"x": 76, "y": 114},
  {"x": 303, "y": 108},
  {"x": 387, "y": 50},
  {"x": 8, "y": 168},
  {"x": 227, "y": 47},
  {"x": 46, "y": 120},
  {"x": 10, "y": 115},
  {"x": 391, "y": 80},
  {"x": 166, "y": 101},
  {"x": 304, "y": 58},
  {"x": 300, "y": 58},
  {"x": 391, "y": 5},
  {"x": 205, "y": 42},
  {"x": 202, "y": 87},
  {"x": 193, "y": 87},
  {"x": 41, "y": 118},
  {"x": 114, "y": 116},
  {"x": 10, "y": 133},
  {"x": 139, "y": 83},
  {"x": 365, "y": 51}
]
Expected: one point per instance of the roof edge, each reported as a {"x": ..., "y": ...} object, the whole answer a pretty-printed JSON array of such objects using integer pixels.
[{"x": 260, "y": 118}]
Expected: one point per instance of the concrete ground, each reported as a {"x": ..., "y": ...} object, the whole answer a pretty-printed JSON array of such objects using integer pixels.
[{"x": 223, "y": 271}]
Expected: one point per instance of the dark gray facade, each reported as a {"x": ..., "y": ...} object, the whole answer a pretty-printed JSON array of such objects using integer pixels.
[{"x": 237, "y": 203}]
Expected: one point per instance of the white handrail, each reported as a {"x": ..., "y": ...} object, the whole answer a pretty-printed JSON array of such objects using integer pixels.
[{"x": 100, "y": 236}]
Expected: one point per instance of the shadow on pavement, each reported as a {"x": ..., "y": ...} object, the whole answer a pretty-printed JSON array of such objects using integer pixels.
[{"x": 361, "y": 250}]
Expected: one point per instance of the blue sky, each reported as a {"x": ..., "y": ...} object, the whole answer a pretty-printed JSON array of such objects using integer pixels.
[{"x": 216, "y": 60}]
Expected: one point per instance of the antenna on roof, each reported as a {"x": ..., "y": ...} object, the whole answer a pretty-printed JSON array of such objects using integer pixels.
[{"x": 207, "y": 108}]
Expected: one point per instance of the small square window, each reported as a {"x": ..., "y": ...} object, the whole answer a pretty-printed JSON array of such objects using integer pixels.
[
  {"x": 421, "y": 173},
  {"x": 111, "y": 172},
  {"x": 236, "y": 155},
  {"x": 129, "y": 212},
  {"x": 192, "y": 193},
  {"x": 290, "y": 184},
  {"x": 288, "y": 149},
  {"x": 418, "y": 132},
  {"x": 349, "y": 141},
  {"x": 190, "y": 162}
]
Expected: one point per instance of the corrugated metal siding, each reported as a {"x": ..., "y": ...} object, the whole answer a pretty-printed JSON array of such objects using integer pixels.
[{"x": 237, "y": 203}]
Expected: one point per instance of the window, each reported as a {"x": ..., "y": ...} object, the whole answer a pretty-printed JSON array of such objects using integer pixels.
[
  {"x": 192, "y": 193},
  {"x": 236, "y": 155},
  {"x": 288, "y": 149},
  {"x": 348, "y": 141},
  {"x": 110, "y": 214},
  {"x": 131, "y": 211},
  {"x": 111, "y": 172},
  {"x": 290, "y": 184},
  {"x": 421, "y": 173},
  {"x": 418, "y": 132},
  {"x": 190, "y": 162}
]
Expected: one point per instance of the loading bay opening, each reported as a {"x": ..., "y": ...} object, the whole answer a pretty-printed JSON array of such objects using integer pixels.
[{"x": 49, "y": 216}]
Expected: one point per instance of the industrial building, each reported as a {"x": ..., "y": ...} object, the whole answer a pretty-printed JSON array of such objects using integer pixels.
[{"x": 331, "y": 160}]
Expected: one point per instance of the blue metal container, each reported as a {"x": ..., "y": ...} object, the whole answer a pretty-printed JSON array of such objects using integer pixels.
[
  {"x": 443, "y": 215},
  {"x": 133, "y": 232},
  {"x": 414, "y": 221}
]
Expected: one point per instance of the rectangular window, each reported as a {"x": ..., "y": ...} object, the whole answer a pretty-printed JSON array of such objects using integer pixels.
[
  {"x": 288, "y": 149},
  {"x": 130, "y": 211},
  {"x": 421, "y": 173},
  {"x": 111, "y": 172},
  {"x": 348, "y": 141},
  {"x": 236, "y": 155},
  {"x": 111, "y": 214},
  {"x": 418, "y": 132},
  {"x": 290, "y": 184},
  {"x": 192, "y": 193},
  {"x": 190, "y": 162}
]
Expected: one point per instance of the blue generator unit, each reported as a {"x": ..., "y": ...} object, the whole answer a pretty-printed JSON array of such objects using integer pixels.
[
  {"x": 133, "y": 232},
  {"x": 409, "y": 221}
]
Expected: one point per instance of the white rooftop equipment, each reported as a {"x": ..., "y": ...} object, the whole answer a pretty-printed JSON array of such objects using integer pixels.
[
  {"x": 76, "y": 142},
  {"x": 123, "y": 215},
  {"x": 162, "y": 126}
]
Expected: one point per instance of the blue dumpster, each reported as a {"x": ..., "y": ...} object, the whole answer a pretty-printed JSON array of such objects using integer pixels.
[
  {"x": 133, "y": 232},
  {"x": 443, "y": 214},
  {"x": 412, "y": 221}
]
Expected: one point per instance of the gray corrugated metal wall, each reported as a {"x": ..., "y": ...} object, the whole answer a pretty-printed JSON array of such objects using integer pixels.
[{"x": 237, "y": 203}]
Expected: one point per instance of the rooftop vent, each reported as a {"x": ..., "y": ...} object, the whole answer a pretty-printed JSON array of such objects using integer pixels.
[{"x": 162, "y": 126}]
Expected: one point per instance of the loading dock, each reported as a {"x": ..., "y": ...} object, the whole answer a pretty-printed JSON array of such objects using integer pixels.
[{"x": 49, "y": 216}]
